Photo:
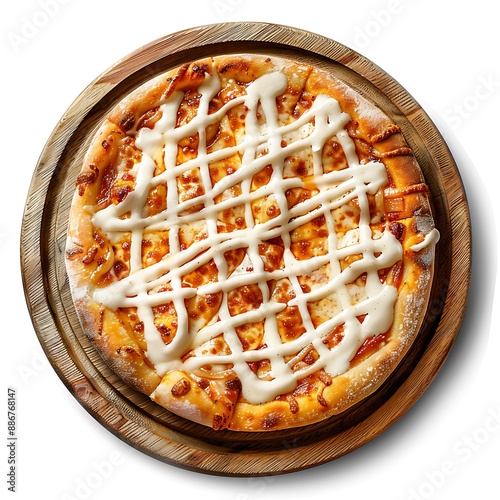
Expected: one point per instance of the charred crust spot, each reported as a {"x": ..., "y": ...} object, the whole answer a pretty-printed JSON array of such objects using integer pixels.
[
  {"x": 126, "y": 351},
  {"x": 303, "y": 389},
  {"x": 397, "y": 229},
  {"x": 90, "y": 255},
  {"x": 165, "y": 332},
  {"x": 148, "y": 119},
  {"x": 415, "y": 188},
  {"x": 294, "y": 406},
  {"x": 120, "y": 193},
  {"x": 238, "y": 66},
  {"x": 200, "y": 70},
  {"x": 233, "y": 384},
  {"x": 120, "y": 269},
  {"x": 99, "y": 239},
  {"x": 396, "y": 276},
  {"x": 310, "y": 357},
  {"x": 270, "y": 421},
  {"x": 352, "y": 128},
  {"x": 106, "y": 278},
  {"x": 272, "y": 211},
  {"x": 325, "y": 377},
  {"x": 107, "y": 180},
  {"x": 74, "y": 252},
  {"x": 404, "y": 151},
  {"x": 127, "y": 122},
  {"x": 322, "y": 400},
  {"x": 203, "y": 383},
  {"x": 173, "y": 81},
  {"x": 212, "y": 299},
  {"x": 319, "y": 221},
  {"x": 181, "y": 387},
  {"x": 390, "y": 130},
  {"x": 218, "y": 422},
  {"x": 86, "y": 179},
  {"x": 101, "y": 322}
]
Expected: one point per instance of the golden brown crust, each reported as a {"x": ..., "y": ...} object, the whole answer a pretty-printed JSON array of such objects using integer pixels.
[
  {"x": 95, "y": 260},
  {"x": 129, "y": 113}
]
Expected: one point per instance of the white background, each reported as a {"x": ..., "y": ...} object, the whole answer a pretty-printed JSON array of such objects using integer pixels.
[{"x": 446, "y": 55}]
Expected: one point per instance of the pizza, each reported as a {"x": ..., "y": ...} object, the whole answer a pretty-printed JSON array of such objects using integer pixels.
[{"x": 250, "y": 243}]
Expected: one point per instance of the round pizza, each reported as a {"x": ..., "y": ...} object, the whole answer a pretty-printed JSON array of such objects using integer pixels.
[{"x": 251, "y": 243}]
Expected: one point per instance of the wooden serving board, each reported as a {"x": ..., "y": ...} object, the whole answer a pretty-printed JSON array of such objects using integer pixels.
[{"x": 132, "y": 416}]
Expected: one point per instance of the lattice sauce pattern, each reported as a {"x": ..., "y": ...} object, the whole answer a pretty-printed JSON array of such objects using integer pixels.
[{"x": 266, "y": 142}]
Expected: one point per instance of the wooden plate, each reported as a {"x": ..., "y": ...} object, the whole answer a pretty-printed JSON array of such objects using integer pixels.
[{"x": 132, "y": 416}]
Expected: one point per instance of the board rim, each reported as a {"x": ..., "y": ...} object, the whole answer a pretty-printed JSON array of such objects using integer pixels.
[{"x": 42, "y": 284}]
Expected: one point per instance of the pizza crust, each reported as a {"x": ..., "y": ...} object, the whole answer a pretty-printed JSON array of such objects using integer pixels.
[{"x": 95, "y": 260}]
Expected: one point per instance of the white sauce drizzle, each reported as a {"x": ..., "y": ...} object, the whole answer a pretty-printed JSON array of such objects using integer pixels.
[
  {"x": 430, "y": 240},
  {"x": 335, "y": 190}
]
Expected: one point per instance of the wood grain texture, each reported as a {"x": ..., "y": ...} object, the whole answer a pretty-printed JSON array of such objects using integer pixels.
[{"x": 132, "y": 416}]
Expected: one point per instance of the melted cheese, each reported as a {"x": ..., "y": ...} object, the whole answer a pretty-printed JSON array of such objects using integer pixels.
[{"x": 322, "y": 277}]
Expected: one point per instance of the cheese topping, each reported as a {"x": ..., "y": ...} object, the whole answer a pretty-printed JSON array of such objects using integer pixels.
[{"x": 266, "y": 142}]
